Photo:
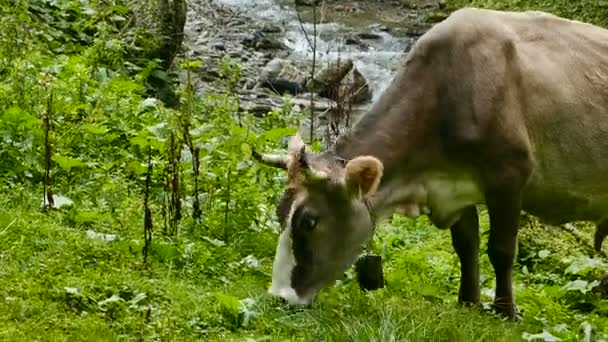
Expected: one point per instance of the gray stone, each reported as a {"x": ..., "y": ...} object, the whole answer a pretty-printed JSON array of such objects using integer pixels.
[
  {"x": 369, "y": 36},
  {"x": 282, "y": 69}
]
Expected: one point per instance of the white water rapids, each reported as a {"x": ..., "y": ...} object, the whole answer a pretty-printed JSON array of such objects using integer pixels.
[{"x": 376, "y": 62}]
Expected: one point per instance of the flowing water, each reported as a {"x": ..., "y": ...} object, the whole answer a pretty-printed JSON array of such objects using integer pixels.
[{"x": 376, "y": 59}]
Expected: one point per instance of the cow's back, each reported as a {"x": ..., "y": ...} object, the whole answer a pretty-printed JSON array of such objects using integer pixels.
[{"x": 539, "y": 81}]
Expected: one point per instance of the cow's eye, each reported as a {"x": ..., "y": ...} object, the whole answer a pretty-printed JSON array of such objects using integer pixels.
[
  {"x": 308, "y": 222},
  {"x": 304, "y": 219}
]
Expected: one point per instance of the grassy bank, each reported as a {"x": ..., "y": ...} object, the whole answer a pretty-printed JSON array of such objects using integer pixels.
[
  {"x": 61, "y": 282},
  {"x": 591, "y": 11}
]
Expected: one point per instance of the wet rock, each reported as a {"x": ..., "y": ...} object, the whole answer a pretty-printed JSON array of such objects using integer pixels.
[
  {"x": 369, "y": 36},
  {"x": 319, "y": 104},
  {"x": 328, "y": 78},
  {"x": 282, "y": 69},
  {"x": 307, "y": 2},
  {"x": 354, "y": 88},
  {"x": 350, "y": 40},
  {"x": 270, "y": 28},
  {"x": 283, "y": 87},
  {"x": 261, "y": 41},
  {"x": 355, "y": 41}
]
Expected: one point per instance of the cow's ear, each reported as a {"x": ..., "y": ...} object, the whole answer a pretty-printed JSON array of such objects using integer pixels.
[{"x": 363, "y": 175}]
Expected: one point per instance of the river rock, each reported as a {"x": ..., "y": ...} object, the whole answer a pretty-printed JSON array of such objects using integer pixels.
[
  {"x": 329, "y": 77},
  {"x": 307, "y": 2},
  {"x": 261, "y": 41},
  {"x": 369, "y": 36},
  {"x": 354, "y": 40},
  {"x": 282, "y": 87},
  {"x": 282, "y": 69},
  {"x": 355, "y": 88},
  {"x": 270, "y": 28},
  {"x": 319, "y": 104}
]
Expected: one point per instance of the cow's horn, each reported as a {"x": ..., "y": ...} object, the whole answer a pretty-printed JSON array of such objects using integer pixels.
[{"x": 273, "y": 160}]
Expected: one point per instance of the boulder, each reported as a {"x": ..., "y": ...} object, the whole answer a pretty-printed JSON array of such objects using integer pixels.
[
  {"x": 354, "y": 87},
  {"x": 341, "y": 82},
  {"x": 283, "y": 76},
  {"x": 328, "y": 77}
]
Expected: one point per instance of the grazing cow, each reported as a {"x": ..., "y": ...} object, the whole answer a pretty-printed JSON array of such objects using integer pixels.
[{"x": 503, "y": 109}]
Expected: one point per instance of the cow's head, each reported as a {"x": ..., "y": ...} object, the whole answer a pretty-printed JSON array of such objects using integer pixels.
[{"x": 324, "y": 216}]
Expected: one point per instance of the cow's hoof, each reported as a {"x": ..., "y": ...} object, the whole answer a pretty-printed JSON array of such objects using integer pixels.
[
  {"x": 506, "y": 311},
  {"x": 473, "y": 304}
]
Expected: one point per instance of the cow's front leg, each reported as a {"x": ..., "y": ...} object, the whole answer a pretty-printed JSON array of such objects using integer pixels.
[
  {"x": 504, "y": 206},
  {"x": 465, "y": 239}
]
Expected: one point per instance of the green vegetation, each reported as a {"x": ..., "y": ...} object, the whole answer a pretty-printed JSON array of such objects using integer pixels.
[
  {"x": 591, "y": 11},
  {"x": 70, "y": 87}
]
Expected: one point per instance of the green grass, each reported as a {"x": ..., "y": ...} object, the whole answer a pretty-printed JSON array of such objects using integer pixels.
[
  {"x": 59, "y": 284},
  {"x": 592, "y": 11}
]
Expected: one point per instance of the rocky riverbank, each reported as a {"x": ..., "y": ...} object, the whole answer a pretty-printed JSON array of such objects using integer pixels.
[{"x": 359, "y": 44}]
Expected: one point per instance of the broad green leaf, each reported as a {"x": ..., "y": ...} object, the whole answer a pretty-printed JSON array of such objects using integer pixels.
[
  {"x": 67, "y": 163},
  {"x": 584, "y": 265},
  {"x": 581, "y": 285},
  {"x": 277, "y": 133}
]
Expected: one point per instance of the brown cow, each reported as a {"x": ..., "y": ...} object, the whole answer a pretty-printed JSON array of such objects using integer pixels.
[{"x": 504, "y": 109}]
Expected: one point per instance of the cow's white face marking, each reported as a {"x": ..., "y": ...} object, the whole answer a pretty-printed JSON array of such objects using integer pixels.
[
  {"x": 308, "y": 259},
  {"x": 282, "y": 269},
  {"x": 283, "y": 266}
]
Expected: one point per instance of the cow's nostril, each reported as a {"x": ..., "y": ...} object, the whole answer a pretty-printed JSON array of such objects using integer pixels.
[{"x": 283, "y": 300}]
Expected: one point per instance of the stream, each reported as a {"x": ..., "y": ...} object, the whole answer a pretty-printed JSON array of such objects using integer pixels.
[{"x": 375, "y": 54}]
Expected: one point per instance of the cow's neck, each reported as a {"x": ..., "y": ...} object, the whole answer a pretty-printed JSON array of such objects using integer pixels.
[
  {"x": 394, "y": 128},
  {"x": 417, "y": 179},
  {"x": 391, "y": 134}
]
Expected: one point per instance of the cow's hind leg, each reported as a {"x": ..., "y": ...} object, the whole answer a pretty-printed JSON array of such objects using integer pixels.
[
  {"x": 465, "y": 239},
  {"x": 601, "y": 231}
]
